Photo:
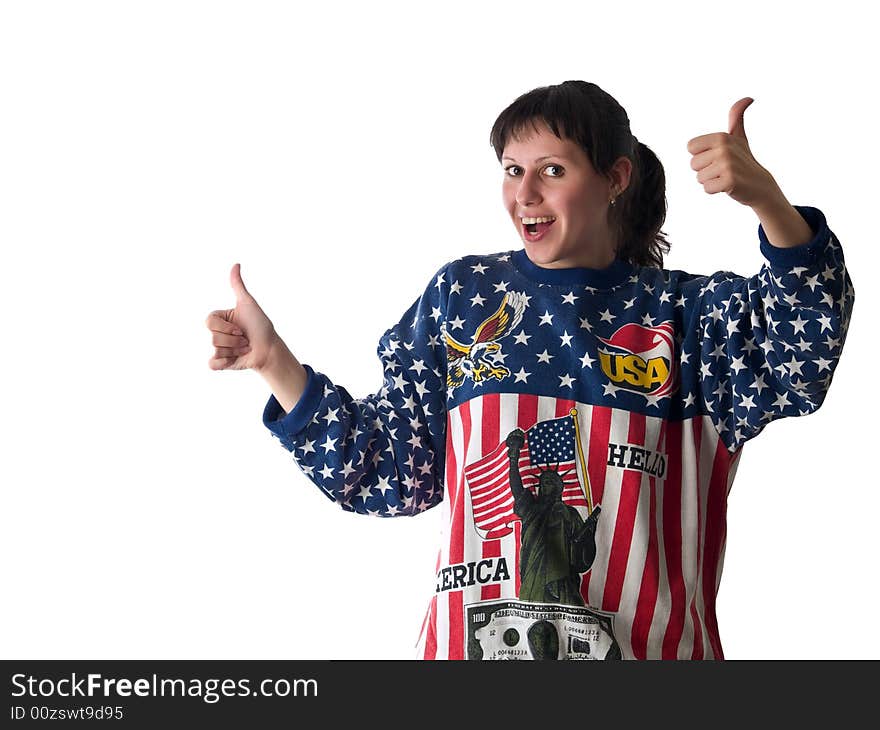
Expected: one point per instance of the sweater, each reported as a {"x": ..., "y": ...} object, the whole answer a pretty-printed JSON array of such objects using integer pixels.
[{"x": 580, "y": 430}]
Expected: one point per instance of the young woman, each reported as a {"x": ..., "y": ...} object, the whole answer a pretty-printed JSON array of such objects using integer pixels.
[{"x": 577, "y": 410}]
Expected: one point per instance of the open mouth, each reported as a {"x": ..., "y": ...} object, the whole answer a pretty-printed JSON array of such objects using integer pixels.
[{"x": 536, "y": 231}]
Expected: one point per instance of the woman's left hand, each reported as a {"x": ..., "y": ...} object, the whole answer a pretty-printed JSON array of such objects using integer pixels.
[{"x": 724, "y": 163}]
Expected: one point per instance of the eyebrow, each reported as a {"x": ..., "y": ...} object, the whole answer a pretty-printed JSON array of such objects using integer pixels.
[{"x": 538, "y": 159}]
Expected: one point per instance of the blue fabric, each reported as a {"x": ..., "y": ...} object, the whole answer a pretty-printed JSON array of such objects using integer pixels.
[{"x": 743, "y": 350}]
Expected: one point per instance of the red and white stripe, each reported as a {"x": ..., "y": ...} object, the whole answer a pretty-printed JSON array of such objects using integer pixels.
[{"x": 659, "y": 542}]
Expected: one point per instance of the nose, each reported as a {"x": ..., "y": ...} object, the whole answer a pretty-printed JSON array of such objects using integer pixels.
[{"x": 527, "y": 193}]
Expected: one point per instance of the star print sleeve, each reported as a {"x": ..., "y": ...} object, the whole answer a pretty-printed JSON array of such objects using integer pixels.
[
  {"x": 383, "y": 454},
  {"x": 769, "y": 344}
]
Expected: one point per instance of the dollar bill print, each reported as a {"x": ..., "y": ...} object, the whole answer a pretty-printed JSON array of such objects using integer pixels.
[{"x": 516, "y": 630}]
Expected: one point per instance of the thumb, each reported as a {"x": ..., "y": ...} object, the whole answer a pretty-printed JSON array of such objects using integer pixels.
[
  {"x": 237, "y": 283},
  {"x": 735, "y": 117}
]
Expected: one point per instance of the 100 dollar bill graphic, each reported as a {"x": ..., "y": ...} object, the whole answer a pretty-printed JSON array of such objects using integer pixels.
[{"x": 510, "y": 630}]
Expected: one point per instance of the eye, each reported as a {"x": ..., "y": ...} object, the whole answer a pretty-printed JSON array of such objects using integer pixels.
[{"x": 509, "y": 168}]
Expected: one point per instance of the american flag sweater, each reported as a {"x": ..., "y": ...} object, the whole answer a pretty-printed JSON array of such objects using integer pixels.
[{"x": 580, "y": 429}]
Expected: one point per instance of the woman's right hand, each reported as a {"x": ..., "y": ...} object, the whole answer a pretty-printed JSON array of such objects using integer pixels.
[{"x": 242, "y": 336}]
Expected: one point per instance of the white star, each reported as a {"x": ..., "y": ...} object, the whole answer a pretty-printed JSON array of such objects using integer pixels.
[
  {"x": 629, "y": 302},
  {"x": 610, "y": 390},
  {"x": 587, "y": 361},
  {"x": 477, "y": 300},
  {"x": 737, "y": 364},
  {"x": 704, "y": 370},
  {"x": 307, "y": 447},
  {"x": 680, "y": 302},
  {"x": 665, "y": 296},
  {"x": 330, "y": 415},
  {"x": 832, "y": 342},
  {"x": 748, "y": 402},
  {"x": 545, "y": 357},
  {"x": 522, "y": 376},
  {"x": 586, "y": 325},
  {"x": 384, "y": 485},
  {"x": 710, "y": 286},
  {"x": 798, "y": 324},
  {"x": 364, "y": 493},
  {"x": 812, "y": 282},
  {"x": 648, "y": 320},
  {"x": 689, "y": 401},
  {"x": 606, "y": 316},
  {"x": 546, "y": 318},
  {"x": 825, "y": 321},
  {"x": 569, "y": 298},
  {"x": 479, "y": 268},
  {"x": 457, "y": 323},
  {"x": 566, "y": 338},
  {"x": 795, "y": 366},
  {"x": 326, "y": 472},
  {"x": 522, "y": 338},
  {"x": 565, "y": 381},
  {"x": 347, "y": 468},
  {"x": 823, "y": 364},
  {"x": 328, "y": 445},
  {"x": 791, "y": 299},
  {"x": 782, "y": 400},
  {"x": 501, "y": 286}
]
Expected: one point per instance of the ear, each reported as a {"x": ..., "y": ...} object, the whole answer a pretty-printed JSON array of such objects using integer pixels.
[{"x": 620, "y": 174}]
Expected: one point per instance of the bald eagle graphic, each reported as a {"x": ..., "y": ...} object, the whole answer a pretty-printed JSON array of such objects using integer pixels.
[{"x": 477, "y": 359}]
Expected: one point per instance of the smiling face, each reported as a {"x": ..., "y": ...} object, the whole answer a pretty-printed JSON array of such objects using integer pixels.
[{"x": 547, "y": 176}]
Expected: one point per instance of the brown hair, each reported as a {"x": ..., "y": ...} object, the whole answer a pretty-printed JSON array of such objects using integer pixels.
[{"x": 585, "y": 114}]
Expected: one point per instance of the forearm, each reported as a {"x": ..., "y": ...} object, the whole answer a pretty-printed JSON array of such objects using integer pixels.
[
  {"x": 516, "y": 485},
  {"x": 285, "y": 375},
  {"x": 784, "y": 226}
]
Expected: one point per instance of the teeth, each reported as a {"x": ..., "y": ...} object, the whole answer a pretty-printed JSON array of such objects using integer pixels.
[{"x": 544, "y": 219}]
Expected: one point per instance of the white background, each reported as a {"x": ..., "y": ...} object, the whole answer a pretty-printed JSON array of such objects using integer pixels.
[{"x": 340, "y": 153}]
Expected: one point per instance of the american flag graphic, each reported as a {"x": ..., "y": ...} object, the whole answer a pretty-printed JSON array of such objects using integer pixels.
[
  {"x": 608, "y": 374},
  {"x": 549, "y": 444}
]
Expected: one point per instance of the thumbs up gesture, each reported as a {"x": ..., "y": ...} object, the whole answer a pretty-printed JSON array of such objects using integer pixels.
[
  {"x": 242, "y": 336},
  {"x": 724, "y": 163}
]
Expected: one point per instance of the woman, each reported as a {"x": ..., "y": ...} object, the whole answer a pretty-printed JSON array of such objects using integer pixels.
[{"x": 578, "y": 355}]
